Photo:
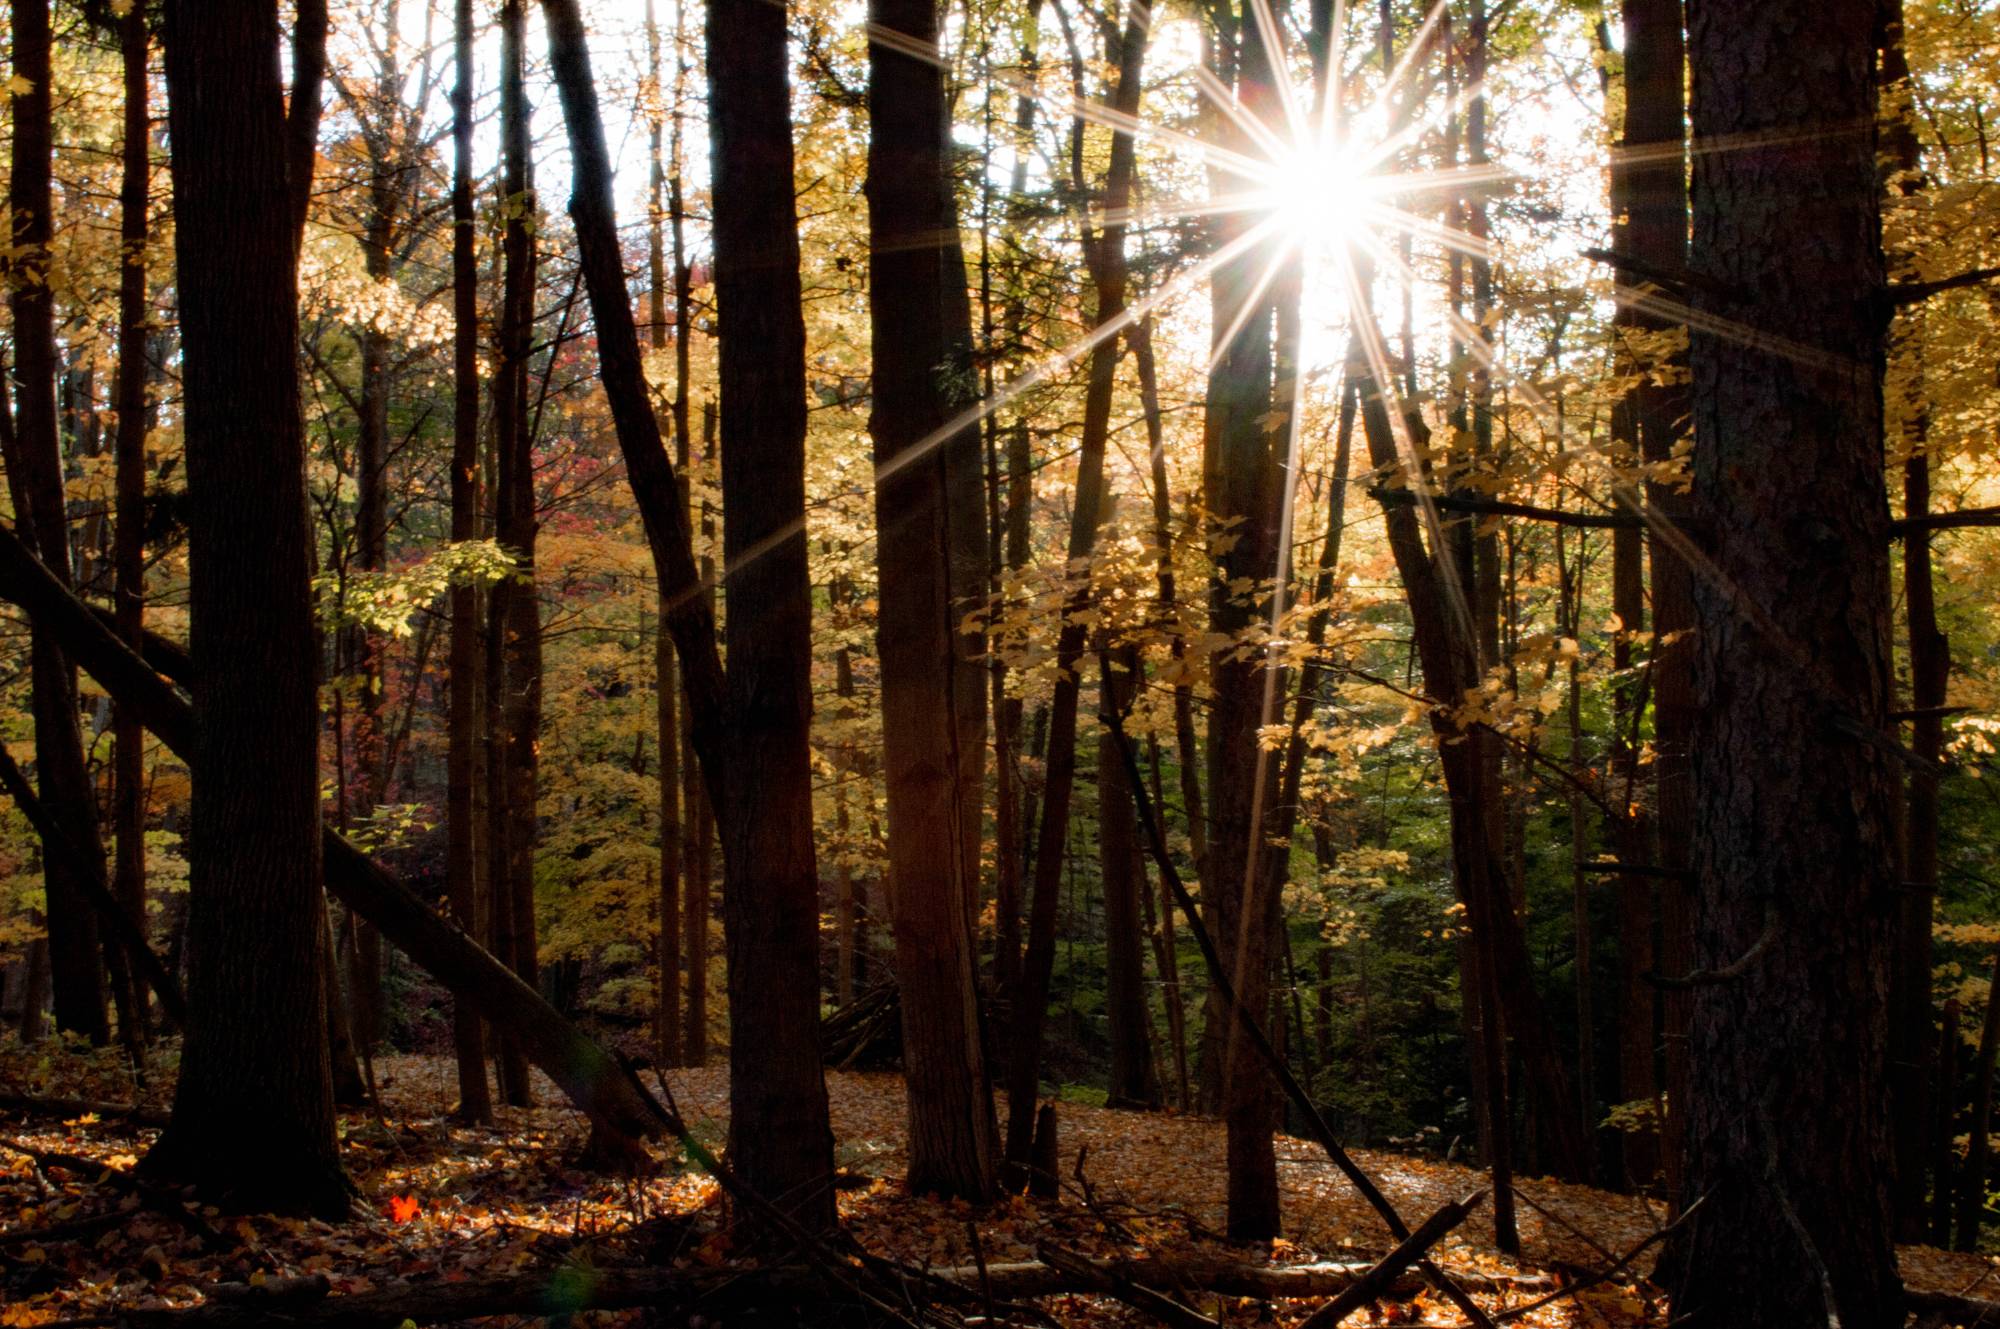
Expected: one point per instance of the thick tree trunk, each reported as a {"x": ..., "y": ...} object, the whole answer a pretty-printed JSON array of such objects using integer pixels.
[
  {"x": 75, "y": 967},
  {"x": 475, "y": 1103},
  {"x": 253, "y": 1123},
  {"x": 921, "y": 337},
  {"x": 1794, "y": 828}
]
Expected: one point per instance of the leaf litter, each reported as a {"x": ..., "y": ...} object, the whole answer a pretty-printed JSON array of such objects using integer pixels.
[{"x": 440, "y": 1201}]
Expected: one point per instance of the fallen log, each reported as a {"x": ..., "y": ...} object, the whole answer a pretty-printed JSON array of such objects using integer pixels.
[
  {"x": 1390, "y": 1267},
  {"x": 71, "y": 1108},
  {"x": 305, "y": 1303},
  {"x": 583, "y": 1070}
]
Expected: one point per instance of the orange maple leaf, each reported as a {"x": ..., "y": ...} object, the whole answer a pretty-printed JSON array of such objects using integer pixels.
[{"x": 402, "y": 1208}]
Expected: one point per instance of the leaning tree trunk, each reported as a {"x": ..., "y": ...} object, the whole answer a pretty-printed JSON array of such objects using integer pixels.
[
  {"x": 916, "y": 289},
  {"x": 1794, "y": 829},
  {"x": 253, "y": 1123},
  {"x": 76, "y": 974},
  {"x": 475, "y": 1102}
]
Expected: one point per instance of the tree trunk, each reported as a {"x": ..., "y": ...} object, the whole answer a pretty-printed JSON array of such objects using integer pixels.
[
  {"x": 1656, "y": 223},
  {"x": 1910, "y": 1033},
  {"x": 309, "y": 26},
  {"x": 129, "y": 551},
  {"x": 75, "y": 967},
  {"x": 475, "y": 1103},
  {"x": 1105, "y": 253},
  {"x": 1972, "y": 1186},
  {"x": 1794, "y": 828},
  {"x": 1944, "y": 1116},
  {"x": 253, "y": 1123},
  {"x": 781, "y": 1140},
  {"x": 516, "y": 612},
  {"x": 1123, "y": 874},
  {"x": 921, "y": 334},
  {"x": 781, "y": 1144},
  {"x": 1241, "y": 483},
  {"x": 666, "y": 681}
]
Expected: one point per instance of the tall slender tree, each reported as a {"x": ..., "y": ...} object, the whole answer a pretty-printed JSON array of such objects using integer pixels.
[
  {"x": 129, "y": 452},
  {"x": 781, "y": 1142},
  {"x": 515, "y": 613},
  {"x": 1104, "y": 249},
  {"x": 920, "y": 342},
  {"x": 75, "y": 966},
  {"x": 462, "y": 824},
  {"x": 252, "y": 1123}
]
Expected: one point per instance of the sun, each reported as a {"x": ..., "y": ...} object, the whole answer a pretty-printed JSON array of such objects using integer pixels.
[{"x": 1320, "y": 193}]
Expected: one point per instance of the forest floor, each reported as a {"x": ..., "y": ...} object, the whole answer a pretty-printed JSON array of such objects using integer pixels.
[{"x": 439, "y": 1202}]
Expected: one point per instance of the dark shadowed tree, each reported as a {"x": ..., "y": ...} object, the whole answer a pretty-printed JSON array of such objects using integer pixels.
[
  {"x": 252, "y": 1122},
  {"x": 1795, "y": 881},
  {"x": 463, "y": 828},
  {"x": 781, "y": 1143},
  {"x": 921, "y": 340}
]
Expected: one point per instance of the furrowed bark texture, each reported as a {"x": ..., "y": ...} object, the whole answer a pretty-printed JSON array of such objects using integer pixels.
[{"x": 1793, "y": 840}]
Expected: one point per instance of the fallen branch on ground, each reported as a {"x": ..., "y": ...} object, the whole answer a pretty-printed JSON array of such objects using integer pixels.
[{"x": 307, "y": 1305}]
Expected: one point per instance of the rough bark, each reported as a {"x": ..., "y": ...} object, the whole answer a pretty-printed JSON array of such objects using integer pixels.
[
  {"x": 921, "y": 339},
  {"x": 1794, "y": 828},
  {"x": 253, "y": 1123}
]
